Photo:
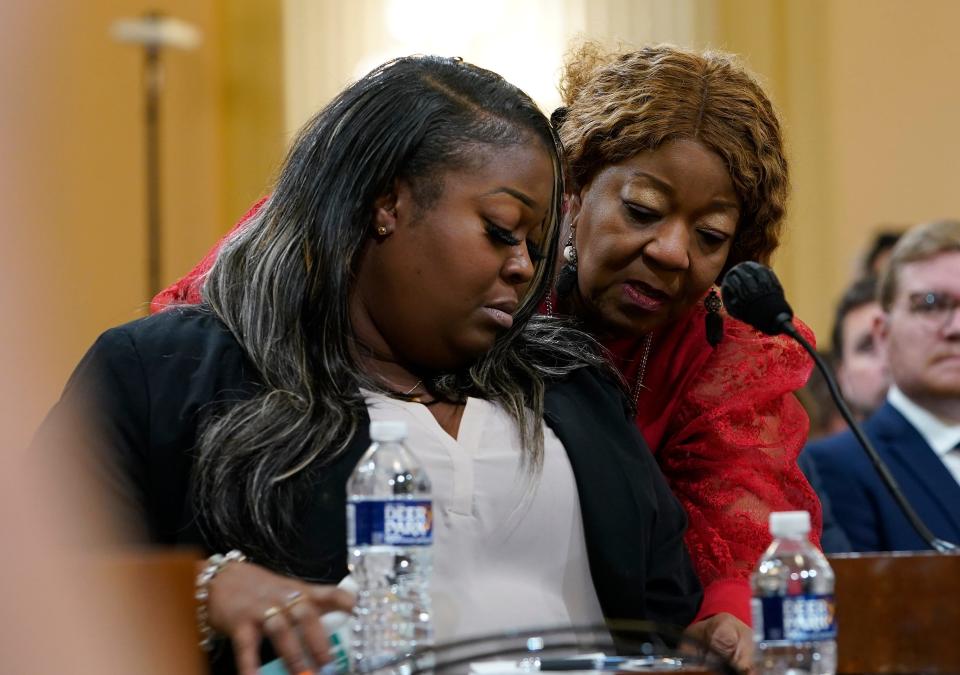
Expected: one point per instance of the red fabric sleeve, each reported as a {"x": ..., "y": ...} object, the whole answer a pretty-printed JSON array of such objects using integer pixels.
[
  {"x": 726, "y": 430},
  {"x": 730, "y": 453},
  {"x": 186, "y": 291},
  {"x": 726, "y": 595}
]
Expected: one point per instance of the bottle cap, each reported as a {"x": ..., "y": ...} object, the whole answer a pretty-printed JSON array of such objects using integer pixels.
[
  {"x": 789, "y": 523},
  {"x": 388, "y": 430}
]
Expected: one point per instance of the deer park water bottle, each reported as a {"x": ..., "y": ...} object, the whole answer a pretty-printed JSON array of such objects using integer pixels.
[
  {"x": 793, "y": 610},
  {"x": 389, "y": 540}
]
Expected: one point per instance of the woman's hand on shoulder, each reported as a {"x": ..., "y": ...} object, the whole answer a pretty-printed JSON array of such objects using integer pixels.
[
  {"x": 725, "y": 635},
  {"x": 248, "y": 602}
]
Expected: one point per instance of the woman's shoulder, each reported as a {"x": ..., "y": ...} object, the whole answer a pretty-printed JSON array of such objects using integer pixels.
[
  {"x": 181, "y": 326},
  {"x": 738, "y": 337},
  {"x": 179, "y": 347},
  {"x": 592, "y": 388},
  {"x": 740, "y": 344},
  {"x": 768, "y": 353},
  {"x": 748, "y": 365},
  {"x": 590, "y": 377}
]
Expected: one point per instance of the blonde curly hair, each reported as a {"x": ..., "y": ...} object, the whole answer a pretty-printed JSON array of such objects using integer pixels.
[{"x": 620, "y": 104}]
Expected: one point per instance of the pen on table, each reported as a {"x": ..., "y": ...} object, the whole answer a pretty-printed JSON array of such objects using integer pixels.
[
  {"x": 610, "y": 663},
  {"x": 584, "y": 663}
]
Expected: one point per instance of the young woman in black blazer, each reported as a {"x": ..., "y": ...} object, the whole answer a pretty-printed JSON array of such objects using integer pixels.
[{"x": 411, "y": 235}]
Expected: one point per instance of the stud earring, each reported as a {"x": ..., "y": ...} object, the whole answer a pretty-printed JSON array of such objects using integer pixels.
[{"x": 382, "y": 230}]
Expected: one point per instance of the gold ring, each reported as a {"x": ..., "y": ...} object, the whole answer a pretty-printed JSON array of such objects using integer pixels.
[{"x": 271, "y": 612}]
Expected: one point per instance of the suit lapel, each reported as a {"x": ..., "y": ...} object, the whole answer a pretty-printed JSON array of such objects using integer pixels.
[{"x": 910, "y": 455}]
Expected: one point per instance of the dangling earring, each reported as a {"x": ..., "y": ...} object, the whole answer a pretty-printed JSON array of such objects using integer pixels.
[
  {"x": 713, "y": 319},
  {"x": 567, "y": 278}
]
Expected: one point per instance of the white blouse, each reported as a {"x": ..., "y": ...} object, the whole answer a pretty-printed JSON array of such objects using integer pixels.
[{"x": 509, "y": 549}]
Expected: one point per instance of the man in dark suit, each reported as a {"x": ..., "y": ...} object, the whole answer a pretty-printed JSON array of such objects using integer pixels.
[{"x": 917, "y": 430}]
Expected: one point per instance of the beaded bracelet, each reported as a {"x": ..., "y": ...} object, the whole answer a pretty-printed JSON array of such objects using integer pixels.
[{"x": 215, "y": 564}]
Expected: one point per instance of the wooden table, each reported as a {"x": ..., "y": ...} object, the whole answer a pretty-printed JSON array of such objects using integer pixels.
[{"x": 898, "y": 612}]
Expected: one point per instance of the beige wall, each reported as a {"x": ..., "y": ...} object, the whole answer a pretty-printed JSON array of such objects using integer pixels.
[
  {"x": 73, "y": 152},
  {"x": 329, "y": 43},
  {"x": 868, "y": 92},
  {"x": 75, "y": 123},
  {"x": 253, "y": 103},
  {"x": 895, "y": 96}
]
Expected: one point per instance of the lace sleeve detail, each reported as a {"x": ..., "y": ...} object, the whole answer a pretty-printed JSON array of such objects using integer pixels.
[{"x": 730, "y": 452}]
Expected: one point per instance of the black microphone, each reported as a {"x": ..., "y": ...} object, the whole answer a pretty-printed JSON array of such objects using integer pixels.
[{"x": 752, "y": 293}]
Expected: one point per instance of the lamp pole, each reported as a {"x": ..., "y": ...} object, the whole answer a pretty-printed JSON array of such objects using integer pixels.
[{"x": 154, "y": 32}]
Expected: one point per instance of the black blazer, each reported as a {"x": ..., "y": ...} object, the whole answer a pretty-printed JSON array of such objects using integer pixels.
[{"x": 145, "y": 386}]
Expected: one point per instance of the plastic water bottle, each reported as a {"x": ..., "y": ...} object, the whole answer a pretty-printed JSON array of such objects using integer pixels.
[
  {"x": 793, "y": 610},
  {"x": 389, "y": 540}
]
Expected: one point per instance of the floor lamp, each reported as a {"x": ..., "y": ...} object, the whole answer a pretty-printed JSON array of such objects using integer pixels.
[{"x": 154, "y": 33}]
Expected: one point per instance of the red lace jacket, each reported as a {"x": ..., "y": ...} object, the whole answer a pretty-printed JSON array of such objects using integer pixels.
[
  {"x": 723, "y": 424},
  {"x": 726, "y": 430}
]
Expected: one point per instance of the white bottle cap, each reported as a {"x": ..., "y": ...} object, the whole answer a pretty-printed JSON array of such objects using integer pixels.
[
  {"x": 388, "y": 430},
  {"x": 789, "y": 523}
]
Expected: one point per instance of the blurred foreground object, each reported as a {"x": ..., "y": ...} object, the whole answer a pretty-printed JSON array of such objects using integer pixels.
[
  {"x": 622, "y": 646},
  {"x": 66, "y": 608}
]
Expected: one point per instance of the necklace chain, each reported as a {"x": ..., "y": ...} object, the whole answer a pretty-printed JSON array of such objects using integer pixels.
[
  {"x": 405, "y": 394},
  {"x": 413, "y": 388},
  {"x": 642, "y": 372}
]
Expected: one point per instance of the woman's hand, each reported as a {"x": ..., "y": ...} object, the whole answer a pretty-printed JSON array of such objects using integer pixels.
[
  {"x": 248, "y": 602},
  {"x": 727, "y": 636}
]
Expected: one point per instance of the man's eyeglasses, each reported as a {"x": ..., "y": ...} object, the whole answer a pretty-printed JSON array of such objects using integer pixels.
[{"x": 935, "y": 308}]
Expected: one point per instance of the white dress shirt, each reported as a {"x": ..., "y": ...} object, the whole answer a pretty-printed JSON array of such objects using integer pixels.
[
  {"x": 509, "y": 549},
  {"x": 942, "y": 438}
]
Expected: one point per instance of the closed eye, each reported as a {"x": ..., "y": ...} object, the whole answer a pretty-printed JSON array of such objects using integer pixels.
[
  {"x": 501, "y": 235},
  {"x": 712, "y": 237},
  {"x": 504, "y": 236},
  {"x": 641, "y": 214}
]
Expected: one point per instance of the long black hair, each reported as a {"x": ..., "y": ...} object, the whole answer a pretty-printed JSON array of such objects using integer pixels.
[{"x": 282, "y": 285}]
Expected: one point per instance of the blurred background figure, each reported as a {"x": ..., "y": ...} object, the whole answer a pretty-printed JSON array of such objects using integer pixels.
[
  {"x": 861, "y": 371},
  {"x": 917, "y": 430},
  {"x": 878, "y": 253},
  {"x": 854, "y": 358}
]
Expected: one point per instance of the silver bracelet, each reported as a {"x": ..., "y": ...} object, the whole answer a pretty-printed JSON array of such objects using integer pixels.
[{"x": 215, "y": 564}]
